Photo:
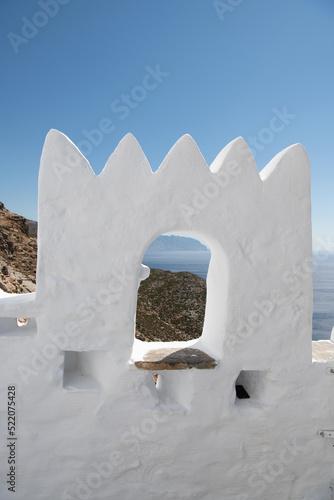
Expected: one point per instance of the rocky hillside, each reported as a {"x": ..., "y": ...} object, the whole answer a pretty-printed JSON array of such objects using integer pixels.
[
  {"x": 32, "y": 227},
  {"x": 18, "y": 254},
  {"x": 170, "y": 305}
]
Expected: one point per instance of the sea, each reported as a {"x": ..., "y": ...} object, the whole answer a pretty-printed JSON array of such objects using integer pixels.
[{"x": 323, "y": 282}]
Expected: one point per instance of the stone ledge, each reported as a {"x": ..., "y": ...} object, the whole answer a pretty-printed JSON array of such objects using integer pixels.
[
  {"x": 323, "y": 350},
  {"x": 176, "y": 359}
]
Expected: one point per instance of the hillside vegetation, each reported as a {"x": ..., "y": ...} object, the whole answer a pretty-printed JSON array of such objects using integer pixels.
[{"x": 170, "y": 306}]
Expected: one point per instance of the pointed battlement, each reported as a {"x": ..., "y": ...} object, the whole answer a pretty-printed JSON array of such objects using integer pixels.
[{"x": 93, "y": 228}]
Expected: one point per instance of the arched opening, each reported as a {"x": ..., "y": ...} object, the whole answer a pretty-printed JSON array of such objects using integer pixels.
[
  {"x": 205, "y": 348},
  {"x": 172, "y": 300}
]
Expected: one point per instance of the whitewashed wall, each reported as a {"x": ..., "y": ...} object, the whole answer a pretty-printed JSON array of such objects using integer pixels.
[{"x": 89, "y": 423}]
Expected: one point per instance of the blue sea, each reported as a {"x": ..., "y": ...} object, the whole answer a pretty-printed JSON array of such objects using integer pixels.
[{"x": 323, "y": 282}]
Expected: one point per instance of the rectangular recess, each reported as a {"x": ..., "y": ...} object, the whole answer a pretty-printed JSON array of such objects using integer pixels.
[
  {"x": 81, "y": 371},
  {"x": 17, "y": 327},
  {"x": 250, "y": 384}
]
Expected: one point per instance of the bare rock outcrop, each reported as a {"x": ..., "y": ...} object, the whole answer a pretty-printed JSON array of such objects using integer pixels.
[{"x": 18, "y": 254}]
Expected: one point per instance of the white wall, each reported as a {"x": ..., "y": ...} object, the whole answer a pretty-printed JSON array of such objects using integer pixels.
[{"x": 81, "y": 402}]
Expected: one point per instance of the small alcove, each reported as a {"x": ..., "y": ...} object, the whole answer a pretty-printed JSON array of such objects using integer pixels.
[
  {"x": 250, "y": 385},
  {"x": 82, "y": 370},
  {"x": 18, "y": 327}
]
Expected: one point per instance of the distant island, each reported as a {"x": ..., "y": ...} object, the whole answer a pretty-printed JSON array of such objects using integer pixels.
[{"x": 174, "y": 243}]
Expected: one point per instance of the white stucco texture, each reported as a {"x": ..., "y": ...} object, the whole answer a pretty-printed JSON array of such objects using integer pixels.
[{"x": 90, "y": 424}]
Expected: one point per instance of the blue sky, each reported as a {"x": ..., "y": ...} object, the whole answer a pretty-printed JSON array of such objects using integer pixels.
[{"x": 213, "y": 70}]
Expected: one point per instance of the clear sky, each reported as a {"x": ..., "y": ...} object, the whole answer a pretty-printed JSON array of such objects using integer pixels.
[{"x": 160, "y": 69}]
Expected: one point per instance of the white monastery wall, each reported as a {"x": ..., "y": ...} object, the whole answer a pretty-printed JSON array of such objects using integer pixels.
[{"x": 89, "y": 423}]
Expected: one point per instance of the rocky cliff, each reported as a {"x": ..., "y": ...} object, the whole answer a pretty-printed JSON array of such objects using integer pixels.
[{"x": 18, "y": 254}]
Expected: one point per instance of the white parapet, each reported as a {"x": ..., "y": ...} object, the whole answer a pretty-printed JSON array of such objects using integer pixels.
[{"x": 90, "y": 421}]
